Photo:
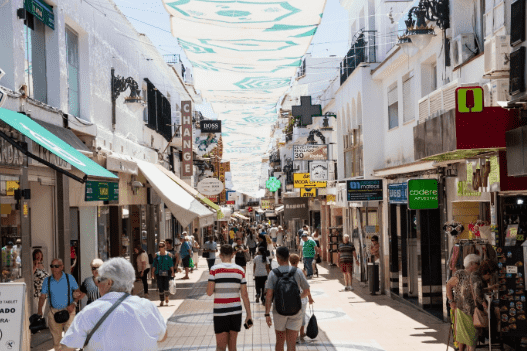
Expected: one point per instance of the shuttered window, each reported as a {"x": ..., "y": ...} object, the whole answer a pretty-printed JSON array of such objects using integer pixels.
[
  {"x": 408, "y": 104},
  {"x": 393, "y": 108},
  {"x": 159, "y": 112}
]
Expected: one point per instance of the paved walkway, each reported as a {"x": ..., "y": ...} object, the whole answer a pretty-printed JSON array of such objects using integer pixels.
[{"x": 347, "y": 320}]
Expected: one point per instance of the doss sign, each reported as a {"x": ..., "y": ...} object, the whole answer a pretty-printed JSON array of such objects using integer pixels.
[
  {"x": 12, "y": 297},
  {"x": 303, "y": 180},
  {"x": 423, "y": 194}
]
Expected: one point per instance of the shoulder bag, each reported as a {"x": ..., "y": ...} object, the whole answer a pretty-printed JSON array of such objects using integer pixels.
[
  {"x": 62, "y": 316},
  {"x": 480, "y": 319},
  {"x": 103, "y": 318}
]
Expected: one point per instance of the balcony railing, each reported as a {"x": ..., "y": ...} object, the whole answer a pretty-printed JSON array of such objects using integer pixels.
[{"x": 362, "y": 50}]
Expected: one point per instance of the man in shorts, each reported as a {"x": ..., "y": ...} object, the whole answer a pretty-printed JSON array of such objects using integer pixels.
[
  {"x": 227, "y": 282},
  {"x": 346, "y": 255},
  {"x": 185, "y": 252},
  {"x": 286, "y": 327}
]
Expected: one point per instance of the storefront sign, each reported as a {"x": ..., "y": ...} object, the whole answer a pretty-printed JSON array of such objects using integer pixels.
[
  {"x": 186, "y": 135},
  {"x": 101, "y": 191},
  {"x": 11, "y": 186},
  {"x": 42, "y": 11},
  {"x": 331, "y": 199},
  {"x": 423, "y": 194},
  {"x": 231, "y": 198},
  {"x": 210, "y": 126},
  {"x": 303, "y": 180},
  {"x": 296, "y": 207},
  {"x": 210, "y": 186},
  {"x": 364, "y": 190},
  {"x": 266, "y": 204},
  {"x": 397, "y": 193},
  {"x": 308, "y": 192},
  {"x": 10, "y": 156},
  {"x": 45, "y": 154},
  {"x": 310, "y": 152},
  {"x": 12, "y": 297},
  {"x": 213, "y": 198},
  {"x": 319, "y": 171}
]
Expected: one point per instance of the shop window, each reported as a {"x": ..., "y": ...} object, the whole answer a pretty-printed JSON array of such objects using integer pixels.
[
  {"x": 10, "y": 234},
  {"x": 35, "y": 59},
  {"x": 72, "y": 57}
]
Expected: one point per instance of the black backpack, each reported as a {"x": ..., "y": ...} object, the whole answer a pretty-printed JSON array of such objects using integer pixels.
[{"x": 286, "y": 293}]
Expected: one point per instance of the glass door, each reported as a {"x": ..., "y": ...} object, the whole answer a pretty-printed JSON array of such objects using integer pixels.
[{"x": 10, "y": 234}]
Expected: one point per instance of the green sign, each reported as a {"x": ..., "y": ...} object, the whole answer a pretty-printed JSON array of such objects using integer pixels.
[
  {"x": 273, "y": 184},
  {"x": 423, "y": 194},
  {"x": 101, "y": 191},
  {"x": 42, "y": 11}
]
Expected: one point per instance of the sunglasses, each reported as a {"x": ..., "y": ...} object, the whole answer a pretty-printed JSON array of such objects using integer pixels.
[
  {"x": 161, "y": 246},
  {"x": 101, "y": 279},
  {"x": 94, "y": 268},
  {"x": 55, "y": 265}
]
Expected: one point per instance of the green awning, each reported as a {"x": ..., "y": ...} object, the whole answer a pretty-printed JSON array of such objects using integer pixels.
[{"x": 54, "y": 144}]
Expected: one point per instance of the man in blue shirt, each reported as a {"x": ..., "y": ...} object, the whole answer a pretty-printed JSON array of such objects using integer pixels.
[
  {"x": 185, "y": 252},
  {"x": 56, "y": 288}
]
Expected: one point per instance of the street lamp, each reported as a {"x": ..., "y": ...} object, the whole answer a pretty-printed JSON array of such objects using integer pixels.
[
  {"x": 418, "y": 35},
  {"x": 134, "y": 102}
]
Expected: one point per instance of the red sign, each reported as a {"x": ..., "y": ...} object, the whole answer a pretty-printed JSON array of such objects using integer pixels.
[
  {"x": 186, "y": 133},
  {"x": 213, "y": 198},
  {"x": 230, "y": 202},
  {"x": 249, "y": 209}
]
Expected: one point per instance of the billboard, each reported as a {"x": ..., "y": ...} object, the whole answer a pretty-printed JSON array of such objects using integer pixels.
[{"x": 310, "y": 152}]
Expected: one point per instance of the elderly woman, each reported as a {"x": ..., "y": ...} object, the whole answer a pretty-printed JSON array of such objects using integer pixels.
[
  {"x": 90, "y": 285},
  {"x": 460, "y": 296},
  {"x": 144, "y": 327}
]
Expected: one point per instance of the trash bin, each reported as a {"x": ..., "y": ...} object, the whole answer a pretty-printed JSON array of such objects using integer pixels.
[{"x": 373, "y": 278}]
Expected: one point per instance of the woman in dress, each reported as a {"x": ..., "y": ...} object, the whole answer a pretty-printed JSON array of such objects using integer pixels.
[
  {"x": 90, "y": 285},
  {"x": 143, "y": 267},
  {"x": 460, "y": 296},
  {"x": 39, "y": 273}
]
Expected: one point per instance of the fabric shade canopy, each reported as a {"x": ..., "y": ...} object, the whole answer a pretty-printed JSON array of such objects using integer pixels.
[
  {"x": 240, "y": 216},
  {"x": 182, "y": 204},
  {"x": 244, "y": 54},
  {"x": 54, "y": 144}
]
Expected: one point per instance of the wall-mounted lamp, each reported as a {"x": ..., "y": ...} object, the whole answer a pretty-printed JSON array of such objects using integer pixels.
[{"x": 119, "y": 85}]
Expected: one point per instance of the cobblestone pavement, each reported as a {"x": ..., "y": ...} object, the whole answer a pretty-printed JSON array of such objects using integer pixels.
[{"x": 347, "y": 320}]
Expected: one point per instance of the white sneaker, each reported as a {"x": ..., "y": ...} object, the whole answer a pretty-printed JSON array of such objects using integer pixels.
[{"x": 350, "y": 288}]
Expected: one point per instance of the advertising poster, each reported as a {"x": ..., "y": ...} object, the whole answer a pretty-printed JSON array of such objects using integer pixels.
[{"x": 310, "y": 152}]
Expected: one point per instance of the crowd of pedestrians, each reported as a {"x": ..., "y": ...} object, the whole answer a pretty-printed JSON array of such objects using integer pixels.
[{"x": 281, "y": 285}]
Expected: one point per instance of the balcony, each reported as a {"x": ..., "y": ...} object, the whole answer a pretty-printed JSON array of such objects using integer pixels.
[{"x": 362, "y": 50}]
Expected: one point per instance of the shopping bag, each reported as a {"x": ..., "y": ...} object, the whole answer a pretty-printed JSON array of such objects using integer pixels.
[
  {"x": 312, "y": 326},
  {"x": 191, "y": 264},
  {"x": 172, "y": 287}
]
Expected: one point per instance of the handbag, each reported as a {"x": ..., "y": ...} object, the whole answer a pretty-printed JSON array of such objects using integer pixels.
[
  {"x": 172, "y": 287},
  {"x": 479, "y": 319},
  {"x": 62, "y": 316},
  {"x": 318, "y": 259},
  {"x": 312, "y": 326},
  {"x": 90, "y": 334}
]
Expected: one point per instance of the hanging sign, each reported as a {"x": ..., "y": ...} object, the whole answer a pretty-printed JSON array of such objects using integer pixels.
[
  {"x": 364, "y": 190},
  {"x": 308, "y": 192},
  {"x": 423, "y": 194},
  {"x": 319, "y": 171},
  {"x": 231, "y": 197},
  {"x": 210, "y": 126},
  {"x": 42, "y": 11},
  {"x": 273, "y": 184},
  {"x": 303, "y": 180},
  {"x": 397, "y": 193},
  {"x": 210, "y": 186},
  {"x": 295, "y": 207},
  {"x": 310, "y": 152},
  {"x": 12, "y": 299},
  {"x": 186, "y": 135},
  {"x": 266, "y": 204},
  {"x": 101, "y": 191},
  {"x": 213, "y": 198}
]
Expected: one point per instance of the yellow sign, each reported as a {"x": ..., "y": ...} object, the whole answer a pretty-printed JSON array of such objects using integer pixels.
[
  {"x": 331, "y": 198},
  {"x": 266, "y": 204},
  {"x": 308, "y": 192},
  {"x": 25, "y": 209},
  {"x": 12, "y": 185},
  {"x": 469, "y": 99},
  {"x": 302, "y": 180}
]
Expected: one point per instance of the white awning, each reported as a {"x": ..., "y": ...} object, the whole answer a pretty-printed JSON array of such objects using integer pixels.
[
  {"x": 279, "y": 209},
  {"x": 121, "y": 163},
  {"x": 240, "y": 216},
  {"x": 183, "y": 206}
]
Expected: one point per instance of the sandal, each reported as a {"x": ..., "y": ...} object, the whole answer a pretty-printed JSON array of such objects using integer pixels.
[{"x": 161, "y": 304}]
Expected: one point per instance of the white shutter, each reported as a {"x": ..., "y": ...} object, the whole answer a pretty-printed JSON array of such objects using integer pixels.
[
  {"x": 392, "y": 96},
  {"x": 408, "y": 104}
]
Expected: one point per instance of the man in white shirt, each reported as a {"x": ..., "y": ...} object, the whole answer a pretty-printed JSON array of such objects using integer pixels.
[
  {"x": 136, "y": 324},
  {"x": 273, "y": 233}
]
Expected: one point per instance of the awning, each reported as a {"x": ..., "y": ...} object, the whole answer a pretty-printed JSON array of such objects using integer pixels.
[
  {"x": 192, "y": 191},
  {"x": 260, "y": 211},
  {"x": 279, "y": 209},
  {"x": 54, "y": 144},
  {"x": 121, "y": 163},
  {"x": 67, "y": 136},
  {"x": 182, "y": 205},
  {"x": 240, "y": 216}
]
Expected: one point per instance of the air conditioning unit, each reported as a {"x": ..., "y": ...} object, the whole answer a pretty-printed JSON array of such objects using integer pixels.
[
  {"x": 487, "y": 97},
  {"x": 497, "y": 51},
  {"x": 494, "y": 91},
  {"x": 463, "y": 48}
]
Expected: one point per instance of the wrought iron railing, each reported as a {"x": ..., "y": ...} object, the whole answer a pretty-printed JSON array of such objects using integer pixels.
[{"x": 362, "y": 50}]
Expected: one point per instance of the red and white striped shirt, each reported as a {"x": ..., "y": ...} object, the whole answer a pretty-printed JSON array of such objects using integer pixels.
[{"x": 227, "y": 278}]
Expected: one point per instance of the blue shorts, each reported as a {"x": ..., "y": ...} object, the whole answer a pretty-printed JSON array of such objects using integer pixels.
[{"x": 274, "y": 240}]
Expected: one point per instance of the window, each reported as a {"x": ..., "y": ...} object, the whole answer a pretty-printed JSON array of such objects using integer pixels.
[
  {"x": 434, "y": 77},
  {"x": 353, "y": 154},
  {"x": 393, "y": 108},
  {"x": 72, "y": 57},
  {"x": 145, "y": 100},
  {"x": 35, "y": 59},
  {"x": 408, "y": 104}
]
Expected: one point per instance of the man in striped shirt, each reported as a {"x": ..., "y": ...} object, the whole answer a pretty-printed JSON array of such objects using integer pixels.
[{"x": 227, "y": 282}]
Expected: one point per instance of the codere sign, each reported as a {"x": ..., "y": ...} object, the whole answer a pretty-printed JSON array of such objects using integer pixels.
[{"x": 302, "y": 180}]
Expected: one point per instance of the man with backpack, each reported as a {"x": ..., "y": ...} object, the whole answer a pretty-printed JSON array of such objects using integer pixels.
[{"x": 283, "y": 288}]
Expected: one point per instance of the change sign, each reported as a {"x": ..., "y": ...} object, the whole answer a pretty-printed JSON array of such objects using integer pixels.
[{"x": 423, "y": 194}]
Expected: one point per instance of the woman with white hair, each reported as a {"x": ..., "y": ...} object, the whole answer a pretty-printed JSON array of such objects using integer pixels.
[
  {"x": 90, "y": 285},
  {"x": 460, "y": 297},
  {"x": 144, "y": 325}
]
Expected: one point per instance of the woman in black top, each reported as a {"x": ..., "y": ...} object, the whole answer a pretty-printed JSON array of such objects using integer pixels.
[{"x": 90, "y": 285}]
